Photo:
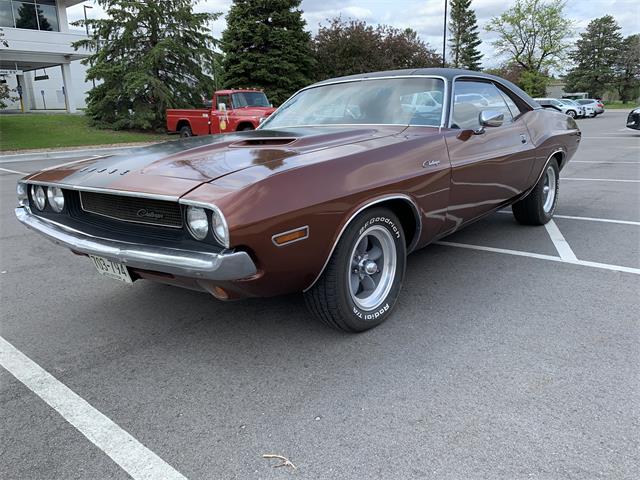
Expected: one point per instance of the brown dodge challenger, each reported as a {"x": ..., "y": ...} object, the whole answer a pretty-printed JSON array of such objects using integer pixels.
[{"x": 327, "y": 197}]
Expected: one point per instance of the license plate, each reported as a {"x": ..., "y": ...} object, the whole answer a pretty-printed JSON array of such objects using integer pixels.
[{"x": 114, "y": 270}]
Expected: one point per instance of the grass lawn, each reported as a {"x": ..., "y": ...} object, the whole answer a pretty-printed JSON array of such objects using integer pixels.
[
  {"x": 620, "y": 106},
  {"x": 34, "y": 130}
]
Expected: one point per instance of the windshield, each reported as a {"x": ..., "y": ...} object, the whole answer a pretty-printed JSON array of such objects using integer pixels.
[
  {"x": 390, "y": 101},
  {"x": 250, "y": 99}
]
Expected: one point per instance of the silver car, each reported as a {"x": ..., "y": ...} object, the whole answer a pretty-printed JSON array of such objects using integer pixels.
[
  {"x": 588, "y": 110},
  {"x": 574, "y": 111},
  {"x": 597, "y": 105}
]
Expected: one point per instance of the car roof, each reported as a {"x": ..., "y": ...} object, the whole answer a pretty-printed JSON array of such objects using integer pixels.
[{"x": 450, "y": 74}]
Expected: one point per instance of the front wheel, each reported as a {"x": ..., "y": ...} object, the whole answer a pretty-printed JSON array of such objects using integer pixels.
[
  {"x": 572, "y": 114},
  {"x": 362, "y": 281},
  {"x": 538, "y": 206}
]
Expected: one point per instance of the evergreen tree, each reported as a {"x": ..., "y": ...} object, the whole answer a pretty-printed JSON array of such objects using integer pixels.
[
  {"x": 266, "y": 46},
  {"x": 148, "y": 56},
  {"x": 595, "y": 56},
  {"x": 465, "y": 38},
  {"x": 627, "y": 69},
  {"x": 346, "y": 47}
]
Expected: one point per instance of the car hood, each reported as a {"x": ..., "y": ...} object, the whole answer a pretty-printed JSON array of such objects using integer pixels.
[{"x": 174, "y": 168}]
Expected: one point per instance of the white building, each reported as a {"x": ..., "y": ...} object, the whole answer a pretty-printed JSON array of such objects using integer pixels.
[{"x": 39, "y": 39}]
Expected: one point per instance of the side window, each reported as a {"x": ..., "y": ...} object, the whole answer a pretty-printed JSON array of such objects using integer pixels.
[
  {"x": 471, "y": 97},
  {"x": 226, "y": 99}
]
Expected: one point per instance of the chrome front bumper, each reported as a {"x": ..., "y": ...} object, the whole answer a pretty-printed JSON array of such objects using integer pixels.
[{"x": 184, "y": 263}]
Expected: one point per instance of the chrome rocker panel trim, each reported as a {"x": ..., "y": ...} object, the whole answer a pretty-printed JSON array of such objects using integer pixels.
[{"x": 185, "y": 263}]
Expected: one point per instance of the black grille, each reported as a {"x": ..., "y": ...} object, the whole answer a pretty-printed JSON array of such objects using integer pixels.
[{"x": 133, "y": 209}]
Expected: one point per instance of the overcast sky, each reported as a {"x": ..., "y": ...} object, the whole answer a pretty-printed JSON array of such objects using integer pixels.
[{"x": 424, "y": 16}]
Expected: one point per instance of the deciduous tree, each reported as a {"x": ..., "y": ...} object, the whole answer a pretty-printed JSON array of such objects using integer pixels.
[
  {"x": 147, "y": 56},
  {"x": 346, "y": 47},
  {"x": 595, "y": 56},
  {"x": 266, "y": 46},
  {"x": 465, "y": 38},
  {"x": 533, "y": 34}
]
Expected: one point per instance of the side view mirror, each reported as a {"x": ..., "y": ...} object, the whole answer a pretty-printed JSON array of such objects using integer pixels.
[
  {"x": 222, "y": 107},
  {"x": 489, "y": 118}
]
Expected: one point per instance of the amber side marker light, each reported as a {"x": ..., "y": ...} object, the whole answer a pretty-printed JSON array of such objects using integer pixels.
[{"x": 290, "y": 236}]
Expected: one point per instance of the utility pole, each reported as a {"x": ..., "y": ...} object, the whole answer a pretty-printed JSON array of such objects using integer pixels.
[{"x": 444, "y": 34}]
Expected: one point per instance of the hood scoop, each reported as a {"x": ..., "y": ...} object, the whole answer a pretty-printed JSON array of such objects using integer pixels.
[{"x": 263, "y": 142}]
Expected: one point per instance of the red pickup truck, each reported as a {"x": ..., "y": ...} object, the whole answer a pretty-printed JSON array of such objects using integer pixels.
[{"x": 230, "y": 111}]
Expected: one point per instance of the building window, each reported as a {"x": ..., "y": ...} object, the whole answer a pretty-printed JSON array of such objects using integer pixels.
[{"x": 29, "y": 14}]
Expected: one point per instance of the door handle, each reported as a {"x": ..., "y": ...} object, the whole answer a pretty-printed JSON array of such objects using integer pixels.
[{"x": 523, "y": 138}]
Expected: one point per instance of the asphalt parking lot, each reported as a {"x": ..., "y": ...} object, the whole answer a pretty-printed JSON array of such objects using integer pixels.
[{"x": 513, "y": 354}]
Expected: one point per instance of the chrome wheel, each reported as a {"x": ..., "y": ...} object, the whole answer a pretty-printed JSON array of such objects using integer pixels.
[
  {"x": 549, "y": 189},
  {"x": 372, "y": 268}
]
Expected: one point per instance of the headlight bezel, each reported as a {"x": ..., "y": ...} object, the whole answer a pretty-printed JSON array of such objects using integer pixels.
[{"x": 218, "y": 228}]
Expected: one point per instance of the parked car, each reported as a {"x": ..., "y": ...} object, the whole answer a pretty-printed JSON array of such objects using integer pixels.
[
  {"x": 586, "y": 111},
  {"x": 229, "y": 111},
  {"x": 326, "y": 197},
  {"x": 633, "y": 120},
  {"x": 561, "y": 106},
  {"x": 597, "y": 105}
]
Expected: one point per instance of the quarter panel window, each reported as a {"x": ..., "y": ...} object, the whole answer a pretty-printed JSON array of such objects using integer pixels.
[{"x": 471, "y": 98}]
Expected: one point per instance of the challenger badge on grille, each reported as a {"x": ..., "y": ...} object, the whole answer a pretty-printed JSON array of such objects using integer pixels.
[{"x": 132, "y": 209}]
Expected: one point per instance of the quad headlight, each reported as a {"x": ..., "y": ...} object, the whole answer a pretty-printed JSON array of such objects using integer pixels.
[
  {"x": 219, "y": 227},
  {"x": 38, "y": 196},
  {"x": 197, "y": 222},
  {"x": 56, "y": 198},
  {"x": 23, "y": 196}
]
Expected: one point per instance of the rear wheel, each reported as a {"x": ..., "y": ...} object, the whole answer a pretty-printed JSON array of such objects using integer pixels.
[
  {"x": 362, "y": 281},
  {"x": 185, "y": 131},
  {"x": 538, "y": 206}
]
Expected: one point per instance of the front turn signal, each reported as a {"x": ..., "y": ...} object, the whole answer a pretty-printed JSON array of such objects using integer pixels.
[{"x": 290, "y": 236}]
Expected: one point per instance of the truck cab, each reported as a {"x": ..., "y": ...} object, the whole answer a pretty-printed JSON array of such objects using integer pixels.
[{"x": 229, "y": 111}]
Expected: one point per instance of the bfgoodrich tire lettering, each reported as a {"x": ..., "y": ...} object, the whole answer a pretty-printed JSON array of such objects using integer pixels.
[{"x": 363, "y": 278}]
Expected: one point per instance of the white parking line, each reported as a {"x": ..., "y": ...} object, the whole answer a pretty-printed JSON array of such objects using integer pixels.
[
  {"x": 584, "y": 263},
  {"x": 601, "y": 180},
  {"x": 588, "y": 219},
  {"x": 12, "y": 171},
  {"x": 133, "y": 457},
  {"x": 591, "y": 219},
  {"x": 608, "y": 163},
  {"x": 563, "y": 248},
  {"x": 612, "y": 137}
]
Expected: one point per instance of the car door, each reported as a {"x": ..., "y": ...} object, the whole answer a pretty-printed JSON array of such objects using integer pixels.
[{"x": 489, "y": 165}]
